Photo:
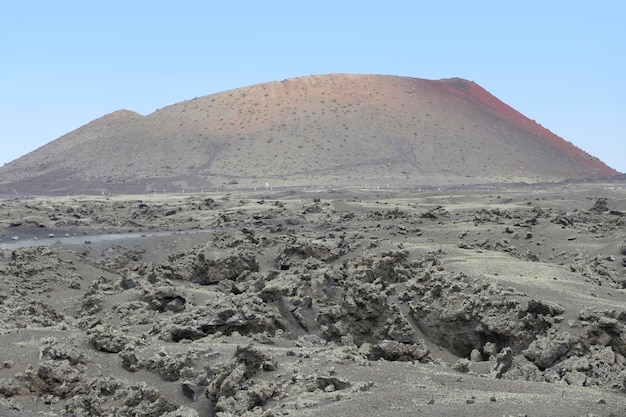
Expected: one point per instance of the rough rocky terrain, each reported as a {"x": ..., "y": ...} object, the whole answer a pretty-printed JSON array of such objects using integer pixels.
[{"x": 362, "y": 302}]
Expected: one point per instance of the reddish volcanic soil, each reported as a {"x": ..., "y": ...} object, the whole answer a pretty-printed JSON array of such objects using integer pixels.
[{"x": 474, "y": 94}]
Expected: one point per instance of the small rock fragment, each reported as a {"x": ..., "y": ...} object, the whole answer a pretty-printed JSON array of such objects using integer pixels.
[{"x": 188, "y": 391}]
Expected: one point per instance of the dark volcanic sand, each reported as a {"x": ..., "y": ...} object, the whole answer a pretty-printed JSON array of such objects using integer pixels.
[{"x": 474, "y": 302}]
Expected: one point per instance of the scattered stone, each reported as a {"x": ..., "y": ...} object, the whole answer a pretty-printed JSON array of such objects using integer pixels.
[
  {"x": 9, "y": 387},
  {"x": 334, "y": 383},
  {"x": 476, "y": 356},
  {"x": 548, "y": 349},
  {"x": 227, "y": 391},
  {"x": 392, "y": 350},
  {"x": 504, "y": 361},
  {"x": 462, "y": 365},
  {"x": 109, "y": 339},
  {"x": 491, "y": 350},
  {"x": 188, "y": 391},
  {"x": 575, "y": 378},
  {"x": 600, "y": 206},
  {"x": 545, "y": 308}
]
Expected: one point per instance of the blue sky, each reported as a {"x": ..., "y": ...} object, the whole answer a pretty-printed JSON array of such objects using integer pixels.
[{"x": 65, "y": 63}]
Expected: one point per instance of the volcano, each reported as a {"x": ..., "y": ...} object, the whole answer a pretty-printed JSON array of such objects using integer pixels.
[{"x": 336, "y": 130}]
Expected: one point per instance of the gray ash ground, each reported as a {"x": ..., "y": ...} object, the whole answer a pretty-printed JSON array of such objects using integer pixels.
[{"x": 460, "y": 302}]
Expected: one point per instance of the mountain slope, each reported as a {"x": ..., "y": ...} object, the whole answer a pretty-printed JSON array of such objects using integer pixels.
[{"x": 337, "y": 129}]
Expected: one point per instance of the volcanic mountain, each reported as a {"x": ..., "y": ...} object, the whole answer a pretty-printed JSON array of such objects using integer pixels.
[{"x": 336, "y": 129}]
